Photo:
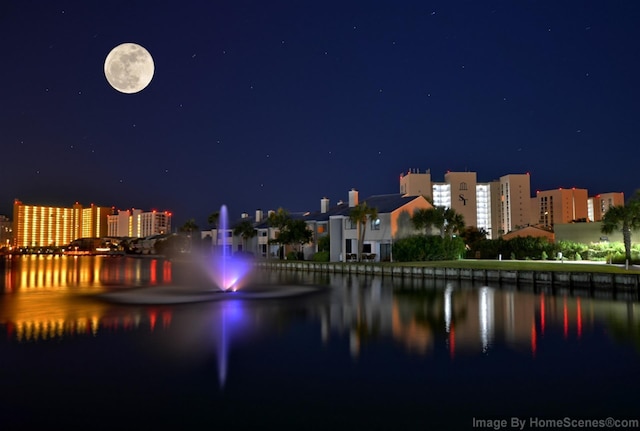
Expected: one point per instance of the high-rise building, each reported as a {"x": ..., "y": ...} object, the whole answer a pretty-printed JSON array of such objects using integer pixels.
[
  {"x": 118, "y": 224},
  {"x": 598, "y": 205},
  {"x": 46, "y": 226},
  {"x": 94, "y": 221},
  {"x": 559, "y": 206},
  {"x": 515, "y": 202},
  {"x": 6, "y": 231},
  {"x": 416, "y": 183},
  {"x": 463, "y": 196},
  {"x": 43, "y": 226},
  {"x": 478, "y": 203},
  {"x": 135, "y": 223}
]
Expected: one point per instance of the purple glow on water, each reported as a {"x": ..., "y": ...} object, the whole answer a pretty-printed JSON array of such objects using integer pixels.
[{"x": 227, "y": 270}]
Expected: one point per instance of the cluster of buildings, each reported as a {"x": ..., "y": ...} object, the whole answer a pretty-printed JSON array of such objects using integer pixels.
[
  {"x": 36, "y": 226},
  {"x": 503, "y": 207}
]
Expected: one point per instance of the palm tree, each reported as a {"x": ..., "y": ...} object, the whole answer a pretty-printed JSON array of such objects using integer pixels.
[
  {"x": 360, "y": 214},
  {"x": 245, "y": 230},
  {"x": 454, "y": 222},
  {"x": 446, "y": 220},
  {"x": 213, "y": 220},
  {"x": 189, "y": 227},
  {"x": 625, "y": 218},
  {"x": 425, "y": 219}
]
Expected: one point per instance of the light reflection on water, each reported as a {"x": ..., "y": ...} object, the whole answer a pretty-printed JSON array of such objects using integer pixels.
[
  {"x": 49, "y": 297},
  {"x": 404, "y": 339}
]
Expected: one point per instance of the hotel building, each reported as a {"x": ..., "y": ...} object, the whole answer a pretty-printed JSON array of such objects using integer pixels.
[
  {"x": 515, "y": 202},
  {"x": 497, "y": 207},
  {"x": 598, "y": 205},
  {"x": 138, "y": 224},
  {"x": 47, "y": 226},
  {"x": 550, "y": 207},
  {"x": 6, "y": 229}
]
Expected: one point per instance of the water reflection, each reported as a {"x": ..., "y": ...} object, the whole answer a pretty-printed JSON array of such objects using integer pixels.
[
  {"x": 422, "y": 315},
  {"x": 62, "y": 272},
  {"x": 51, "y": 297},
  {"x": 48, "y": 297}
]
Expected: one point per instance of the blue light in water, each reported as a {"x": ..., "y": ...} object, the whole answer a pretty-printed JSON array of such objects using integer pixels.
[{"x": 227, "y": 270}]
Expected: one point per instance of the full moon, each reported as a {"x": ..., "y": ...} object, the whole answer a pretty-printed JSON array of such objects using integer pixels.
[{"x": 129, "y": 68}]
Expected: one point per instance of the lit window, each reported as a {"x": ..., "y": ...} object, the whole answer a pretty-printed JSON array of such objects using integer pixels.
[{"x": 375, "y": 224}]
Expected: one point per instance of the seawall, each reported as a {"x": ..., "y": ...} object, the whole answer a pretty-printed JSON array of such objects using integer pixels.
[{"x": 589, "y": 280}]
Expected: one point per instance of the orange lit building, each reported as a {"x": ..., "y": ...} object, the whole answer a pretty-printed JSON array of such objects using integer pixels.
[
  {"x": 6, "y": 231},
  {"x": 515, "y": 198},
  {"x": 599, "y": 204},
  {"x": 494, "y": 206},
  {"x": 549, "y": 207},
  {"x": 47, "y": 226}
]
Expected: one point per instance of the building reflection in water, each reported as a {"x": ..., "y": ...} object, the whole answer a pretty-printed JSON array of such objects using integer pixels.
[
  {"x": 45, "y": 297},
  {"x": 464, "y": 319},
  {"x": 64, "y": 272},
  {"x": 49, "y": 297}
]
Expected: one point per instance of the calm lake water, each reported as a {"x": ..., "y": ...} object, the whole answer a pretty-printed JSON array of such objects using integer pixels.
[{"x": 356, "y": 353}]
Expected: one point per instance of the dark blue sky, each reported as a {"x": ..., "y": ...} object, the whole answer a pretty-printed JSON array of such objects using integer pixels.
[{"x": 276, "y": 104}]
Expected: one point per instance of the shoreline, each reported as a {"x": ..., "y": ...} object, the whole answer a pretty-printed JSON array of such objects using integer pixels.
[{"x": 614, "y": 281}]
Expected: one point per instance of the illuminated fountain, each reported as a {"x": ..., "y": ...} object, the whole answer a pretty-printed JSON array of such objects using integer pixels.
[
  {"x": 208, "y": 277},
  {"x": 227, "y": 271}
]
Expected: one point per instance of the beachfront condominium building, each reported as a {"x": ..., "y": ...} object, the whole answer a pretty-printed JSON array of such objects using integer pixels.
[
  {"x": 45, "y": 226},
  {"x": 515, "y": 202},
  {"x": 138, "y": 224},
  {"x": 479, "y": 203},
  {"x": 416, "y": 183},
  {"x": 6, "y": 231},
  {"x": 598, "y": 205},
  {"x": 549, "y": 207}
]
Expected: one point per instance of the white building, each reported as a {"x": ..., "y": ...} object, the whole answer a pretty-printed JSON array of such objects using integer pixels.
[
  {"x": 138, "y": 224},
  {"x": 393, "y": 222}
]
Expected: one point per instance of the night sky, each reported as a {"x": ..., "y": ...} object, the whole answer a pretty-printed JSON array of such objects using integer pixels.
[{"x": 267, "y": 104}]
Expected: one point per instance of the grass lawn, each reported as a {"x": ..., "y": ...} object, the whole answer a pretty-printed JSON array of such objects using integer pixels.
[{"x": 527, "y": 265}]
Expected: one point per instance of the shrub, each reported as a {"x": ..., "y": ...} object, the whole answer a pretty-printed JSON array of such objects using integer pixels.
[
  {"x": 419, "y": 248},
  {"x": 324, "y": 243},
  {"x": 515, "y": 248},
  {"x": 620, "y": 259},
  {"x": 321, "y": 256}
]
